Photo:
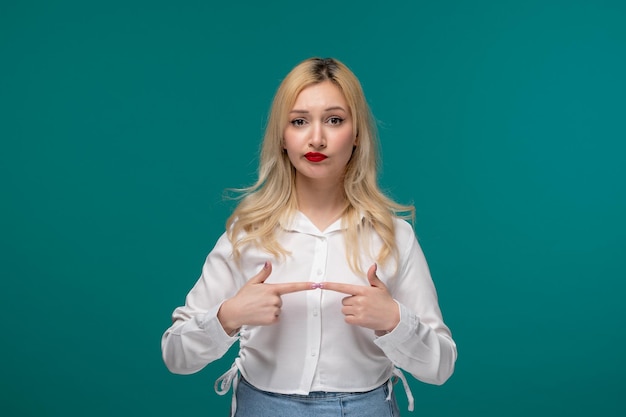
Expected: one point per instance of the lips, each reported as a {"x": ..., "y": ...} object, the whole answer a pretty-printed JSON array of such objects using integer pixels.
[{"x": 315, "y": 156}]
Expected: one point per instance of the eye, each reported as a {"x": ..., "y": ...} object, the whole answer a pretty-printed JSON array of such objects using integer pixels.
[
  {"x": 298, "y": 122},
  {"x": 335, "y": 121}
]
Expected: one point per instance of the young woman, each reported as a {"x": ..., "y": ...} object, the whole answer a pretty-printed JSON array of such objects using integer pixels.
[{"x": 317, "y": 275}]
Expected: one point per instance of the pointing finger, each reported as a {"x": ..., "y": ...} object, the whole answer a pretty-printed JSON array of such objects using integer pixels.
[
  {"x": 343, "y": 288},
  {"x": 290, "y": 287}
]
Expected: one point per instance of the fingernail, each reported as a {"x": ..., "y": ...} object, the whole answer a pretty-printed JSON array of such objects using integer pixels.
[
  {"x": 266, "y": 265},
  {"x": 316, "y": 285}
]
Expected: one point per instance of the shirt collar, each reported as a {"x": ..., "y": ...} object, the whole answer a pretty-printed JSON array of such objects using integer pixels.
[{"x": 299, "y": 222}]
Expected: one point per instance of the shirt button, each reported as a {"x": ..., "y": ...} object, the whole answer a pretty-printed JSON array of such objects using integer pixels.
[
  {"x": 320, "y": 272},
  {"x": 315, "y": 312},
  {"x": 313, "y": 353}
]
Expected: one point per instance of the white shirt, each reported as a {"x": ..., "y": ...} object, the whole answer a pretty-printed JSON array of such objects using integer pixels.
[{"x": 312, "y": 348}]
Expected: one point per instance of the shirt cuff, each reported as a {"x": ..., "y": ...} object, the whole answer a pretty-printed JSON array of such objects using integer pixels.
[
  {"x": 404, "y": 330},
  {"x": 210, "y": 324}
]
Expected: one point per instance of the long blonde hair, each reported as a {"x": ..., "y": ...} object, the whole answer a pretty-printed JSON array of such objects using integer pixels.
[{"x": 272, "y": 200}]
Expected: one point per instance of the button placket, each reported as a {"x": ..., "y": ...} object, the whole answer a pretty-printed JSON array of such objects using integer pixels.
[
  {"x": 314, "y": 322},
  {"x": 319, "y": 262}
]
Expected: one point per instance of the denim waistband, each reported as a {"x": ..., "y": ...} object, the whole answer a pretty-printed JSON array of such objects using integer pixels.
[
  {"x": 232, "y": 378},
  {"x": 313, "y": 395}
]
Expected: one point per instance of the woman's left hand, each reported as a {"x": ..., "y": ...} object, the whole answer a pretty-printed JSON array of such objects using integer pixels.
[{"x": 372, "y": 307}]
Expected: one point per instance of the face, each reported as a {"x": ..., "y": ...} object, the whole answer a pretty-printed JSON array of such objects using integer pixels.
[{"x": 319, "y": 136}]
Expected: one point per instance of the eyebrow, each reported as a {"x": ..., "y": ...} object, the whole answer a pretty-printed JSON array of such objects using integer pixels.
[{"x": 327, "y": 109}]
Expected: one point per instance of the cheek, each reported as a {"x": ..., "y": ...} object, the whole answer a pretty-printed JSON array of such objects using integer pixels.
[
  {"x": 291, "y": 139},
  {"x": 348, "y": 142},
  {"x": 289, "y": 151}
]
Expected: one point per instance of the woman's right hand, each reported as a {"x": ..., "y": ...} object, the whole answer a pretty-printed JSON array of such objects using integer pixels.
[{"x": 257, "y": 303}]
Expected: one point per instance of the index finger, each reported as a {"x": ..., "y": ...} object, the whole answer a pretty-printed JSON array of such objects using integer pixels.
[
  {"x": 343, "y": 288},
  {"x": 290, "y": 287}
]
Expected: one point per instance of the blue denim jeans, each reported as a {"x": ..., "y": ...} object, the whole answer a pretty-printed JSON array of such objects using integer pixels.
[{"x": 252, "y": 402}]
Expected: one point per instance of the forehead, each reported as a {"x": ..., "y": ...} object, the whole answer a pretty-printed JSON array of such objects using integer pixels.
[{"x": 322, "y": 95}]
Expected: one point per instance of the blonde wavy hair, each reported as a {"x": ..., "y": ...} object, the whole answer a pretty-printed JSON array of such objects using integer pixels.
[{"x": 272, "y": 199}]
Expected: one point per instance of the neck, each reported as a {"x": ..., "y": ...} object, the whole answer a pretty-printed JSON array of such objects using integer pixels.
[{"x": 321, "y": 202}]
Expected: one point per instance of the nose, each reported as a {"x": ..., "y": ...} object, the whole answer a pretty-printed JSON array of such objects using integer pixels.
[{"x": 317, "y": 139}]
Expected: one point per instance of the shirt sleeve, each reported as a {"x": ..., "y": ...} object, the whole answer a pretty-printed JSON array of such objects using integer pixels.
[
  {"x": 196, "y": 337},
  {"x": 421, "y": 343}
]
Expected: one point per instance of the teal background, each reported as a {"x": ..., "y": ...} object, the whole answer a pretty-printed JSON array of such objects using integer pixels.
[{"x": 121, "y": 124}]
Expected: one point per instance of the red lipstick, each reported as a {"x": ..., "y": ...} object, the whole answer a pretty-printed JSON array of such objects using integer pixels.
[{"x": 315, "y": 156}]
